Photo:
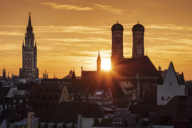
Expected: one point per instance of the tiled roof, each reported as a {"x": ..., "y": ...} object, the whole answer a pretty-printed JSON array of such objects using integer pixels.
[
  {"x": 144, "y": 110},
  {"x": 45, "y": 95},
  {"x": 138, "y": 65},
  {"x": 67, "y": 112},
  {"x": 6, "y": 114},
  {"x": 179, "y": 109}
]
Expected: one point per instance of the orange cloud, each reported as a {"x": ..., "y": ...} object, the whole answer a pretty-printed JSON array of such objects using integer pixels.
[
  {"x": 108, "y": 9},
  {"x": 67, "y": 7}
]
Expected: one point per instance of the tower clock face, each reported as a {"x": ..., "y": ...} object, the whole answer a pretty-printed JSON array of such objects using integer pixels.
[{"x": 139, "y": 51}]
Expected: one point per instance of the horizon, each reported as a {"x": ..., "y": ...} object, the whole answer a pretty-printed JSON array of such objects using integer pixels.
[{"x": 69, "y": 34}]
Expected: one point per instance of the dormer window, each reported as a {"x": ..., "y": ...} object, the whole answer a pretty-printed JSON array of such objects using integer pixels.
[
  {"x": 165, "y": 119},
  {"x": 60, "y": 125},
  {"x": 42, "y": 125},
  {"x": 50, "y": 125},
  {"x": 20, "y": 101}
]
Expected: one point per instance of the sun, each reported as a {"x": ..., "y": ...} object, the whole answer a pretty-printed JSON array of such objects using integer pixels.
[{"x": 106, "y": 63}]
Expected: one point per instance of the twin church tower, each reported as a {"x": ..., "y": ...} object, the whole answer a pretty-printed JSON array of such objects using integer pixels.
[{"x": 117, "y": 44}]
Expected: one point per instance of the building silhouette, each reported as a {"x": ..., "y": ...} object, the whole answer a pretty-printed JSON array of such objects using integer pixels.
[{"x": 29, "y": 68}]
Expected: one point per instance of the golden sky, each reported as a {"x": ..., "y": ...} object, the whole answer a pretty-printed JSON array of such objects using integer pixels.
[{"x": 69, "y": 33}]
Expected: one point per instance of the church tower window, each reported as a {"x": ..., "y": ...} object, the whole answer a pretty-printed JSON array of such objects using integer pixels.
[{"x": 139, "y": 41}]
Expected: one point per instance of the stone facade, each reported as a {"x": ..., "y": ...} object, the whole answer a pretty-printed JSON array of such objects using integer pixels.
[{"x": 29, "y": 68}]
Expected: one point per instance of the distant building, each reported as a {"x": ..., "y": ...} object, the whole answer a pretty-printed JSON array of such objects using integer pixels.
[
  {"x": 29, "y": 68},
  {"x": 175, "y": 114},
  {"x": 173, "y": 85}
]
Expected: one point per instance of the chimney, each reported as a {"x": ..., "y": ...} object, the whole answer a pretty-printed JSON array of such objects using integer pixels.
[
  {"x": 87, "y": 96},
  {"x": 79, "y": 121},
  {"x": 30, "y": 120}
]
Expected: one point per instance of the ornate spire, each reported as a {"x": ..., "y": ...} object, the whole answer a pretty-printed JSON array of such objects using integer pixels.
[{"x": 29, "y": 27}]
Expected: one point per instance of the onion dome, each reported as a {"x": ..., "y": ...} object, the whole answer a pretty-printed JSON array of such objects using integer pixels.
[
  {"x": 117, "y": 27},
  {"x": 138, "y": 27}
]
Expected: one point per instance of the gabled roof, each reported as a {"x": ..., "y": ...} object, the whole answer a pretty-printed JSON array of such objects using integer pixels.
[
  {"x": 45, "y": 95},
  {"x": 173, "y": 77}
]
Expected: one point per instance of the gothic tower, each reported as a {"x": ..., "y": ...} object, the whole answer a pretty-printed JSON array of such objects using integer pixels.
[
  {"x": 98, "y": 62},
  {"x": 138, "y": 40},
  {"x": 117, "y": 43},
  {"x": 29, "y": 68}
]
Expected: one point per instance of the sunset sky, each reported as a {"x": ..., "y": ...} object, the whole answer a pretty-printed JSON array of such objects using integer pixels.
[{"x": 69, "y": 33}]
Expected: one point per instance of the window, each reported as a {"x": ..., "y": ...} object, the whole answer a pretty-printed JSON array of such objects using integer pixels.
[
  {"x": 165, "y": 119},
  {"x": 14, "y": 101},
  {"x": 139, "y": 41},
  {"x": 170, "y": 83},
  {"x": 20, "y": 101},
  {"x": 162, "y": 98}
]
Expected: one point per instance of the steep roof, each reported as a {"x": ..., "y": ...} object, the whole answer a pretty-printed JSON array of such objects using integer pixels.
[
  {"x": 45, "y": 95},
  {"x": 108, "y": 81},
  {"x": 138, "y": 65},
  {"x": 171, "y": 75}
]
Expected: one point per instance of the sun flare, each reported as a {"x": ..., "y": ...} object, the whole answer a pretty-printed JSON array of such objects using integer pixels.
[{"x": 106, "y": 63}]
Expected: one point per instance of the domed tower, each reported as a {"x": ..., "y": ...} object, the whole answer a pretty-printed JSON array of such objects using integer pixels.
[
  {"x": 138, "y": 40},
  {"x": 117, "y": 43}
]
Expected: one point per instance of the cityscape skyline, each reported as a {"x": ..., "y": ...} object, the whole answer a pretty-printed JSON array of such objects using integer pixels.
[{"x": 67, "y": 43}]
